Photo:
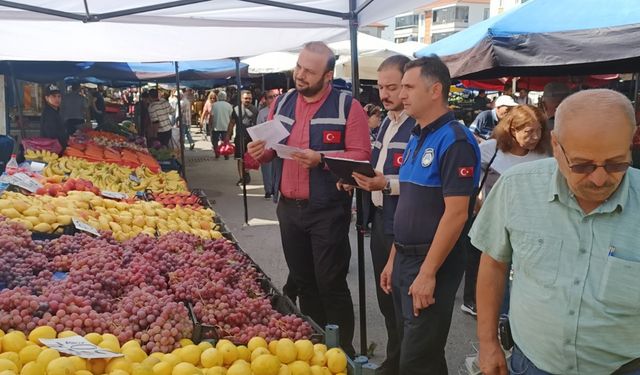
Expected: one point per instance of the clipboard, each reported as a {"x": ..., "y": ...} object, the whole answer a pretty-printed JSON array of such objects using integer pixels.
[{"x": 344, "y": 168}]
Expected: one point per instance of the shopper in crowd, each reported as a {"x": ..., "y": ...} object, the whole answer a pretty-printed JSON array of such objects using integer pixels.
[
  {"x": 173, "y": 102},
  {"x": 519, "y": 137},
  {"x": 553, "y": 94},
  {"x": 481, "y": 102},
  {"x": 74, "y": 109},
  {"x": 374, "y": 115},
  {"x": 484, "y": 123},
  {"x": 248, "y": 113},
  {"x": 142, "y": 108},
  {"x": 314, "y": 216},
  {"x": 575, "y": 253},
  {"x": 185, "y": 108},
  {"x": 160, "y": 113},
  {"x": 205, "y": 116},
  {"x": 221, "y": 112},
  {"x": 98, "y": 105},
  {"x": 523, "y": 97},
  {"x": 380, "y": 205},
  {"x": 267, "y": 168},
  {"x": 438, "y": 181},
  {"x": 51, "y": 125}
]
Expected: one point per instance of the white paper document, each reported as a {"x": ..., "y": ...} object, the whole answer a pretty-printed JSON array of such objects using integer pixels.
[
  {"x": 271, "y": 131},
  {"x": 285, "y": 151}
]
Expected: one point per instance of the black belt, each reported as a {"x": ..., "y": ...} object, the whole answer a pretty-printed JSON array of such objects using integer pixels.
[
  {"x": 295, "y": 202},
  {"x": 412, "y": 249}
]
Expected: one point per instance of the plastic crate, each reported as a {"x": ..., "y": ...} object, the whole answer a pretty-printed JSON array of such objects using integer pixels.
[{"x": 284, "y": 305}]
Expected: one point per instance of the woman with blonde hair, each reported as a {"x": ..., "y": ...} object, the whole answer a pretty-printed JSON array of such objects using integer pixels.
[
  {"x": 521, "y": 136},
  {"x": 205, "y": 117}
]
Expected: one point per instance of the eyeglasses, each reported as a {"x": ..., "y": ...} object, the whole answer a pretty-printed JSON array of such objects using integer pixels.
[{"x": 588, "y": 168}]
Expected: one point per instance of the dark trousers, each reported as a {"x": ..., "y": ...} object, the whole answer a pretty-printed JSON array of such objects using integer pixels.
[
  {"x": 215, "y": 137},
  {"x": 424, "y": 337},
  {"x": 470, "y": 271},
  {"x": 317, "y": 250},
  {"x": 380, "y": 248}
]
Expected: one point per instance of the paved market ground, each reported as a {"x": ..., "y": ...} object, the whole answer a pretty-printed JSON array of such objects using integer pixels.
[{"x": 261, "y": 240}]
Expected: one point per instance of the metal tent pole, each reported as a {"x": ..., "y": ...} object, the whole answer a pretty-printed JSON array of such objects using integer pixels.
[
  {"x": 18, "y": 99},
  {"x": 360, "y": 225},
  {"x": 183, "y": 169},
  {"x": 240, "y": 131}
]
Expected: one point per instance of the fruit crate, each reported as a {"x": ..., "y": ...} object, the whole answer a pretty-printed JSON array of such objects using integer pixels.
[
  {"x": 201, "y": 331},
  {"x": 284, "y": 305},
  {"x": 204, "y": 200},
  {"x": 66, "y": 229}
]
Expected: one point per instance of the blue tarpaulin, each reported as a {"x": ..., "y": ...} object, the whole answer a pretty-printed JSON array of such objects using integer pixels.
[
  {"x": 547, "y": 37},
  {"x": 118, "y": 73}
]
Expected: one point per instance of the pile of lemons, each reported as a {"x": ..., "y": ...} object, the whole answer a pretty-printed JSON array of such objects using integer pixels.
[{"x": 22, "y": 355}]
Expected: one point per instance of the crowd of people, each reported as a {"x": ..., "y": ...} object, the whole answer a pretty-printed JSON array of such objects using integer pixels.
[{"x": 535, "y": 204}]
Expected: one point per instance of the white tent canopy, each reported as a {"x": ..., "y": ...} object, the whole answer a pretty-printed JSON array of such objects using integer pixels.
[
  {"x": 371, "y": 51},
  {"x": 199, "y": 30},
  {"x": 369, "y": 61}
]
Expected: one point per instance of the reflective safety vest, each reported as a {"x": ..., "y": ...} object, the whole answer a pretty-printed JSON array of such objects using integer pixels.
[
  {"x": 326, "y": 134},
  {"x": 391, "y": 168}
]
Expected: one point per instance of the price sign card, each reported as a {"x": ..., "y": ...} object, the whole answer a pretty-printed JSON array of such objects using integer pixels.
[
  {"x": 134, "y": 178},
  {"x": 114, "y": 195},
  {"x": 23, "y": 181},
  {"x": 79, "y": 346},
  {"x": 84, "y": 227}
]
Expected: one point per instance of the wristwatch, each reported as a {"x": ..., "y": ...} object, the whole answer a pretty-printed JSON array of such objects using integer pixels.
[{"x": 386, "y": 190}]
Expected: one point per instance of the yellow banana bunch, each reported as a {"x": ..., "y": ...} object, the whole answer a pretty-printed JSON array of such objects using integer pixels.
[
  {"x": 113, "y": 177},
  {"x": 40, "y": 155}
]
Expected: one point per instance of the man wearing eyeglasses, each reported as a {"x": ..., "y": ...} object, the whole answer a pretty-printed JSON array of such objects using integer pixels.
[
  {"x": 568, "y": 226},
  {"x": 267, "y": 168}
]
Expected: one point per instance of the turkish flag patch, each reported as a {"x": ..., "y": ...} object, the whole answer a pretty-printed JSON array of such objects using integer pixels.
[
  {"x": 331, "y": 137},
  {"x": 397, "y": 159},
  {"x": 465, "y": 172}
]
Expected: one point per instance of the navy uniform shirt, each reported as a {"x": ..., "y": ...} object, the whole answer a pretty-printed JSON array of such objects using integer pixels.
[{"x": 442, "y": 159}]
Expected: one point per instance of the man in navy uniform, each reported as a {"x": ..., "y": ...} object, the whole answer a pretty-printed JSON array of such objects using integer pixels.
[
  {"x": 386, "y": 159},
  {"x": 438, "y": 181}
]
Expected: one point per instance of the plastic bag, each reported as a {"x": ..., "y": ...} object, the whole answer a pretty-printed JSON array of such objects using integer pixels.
[
  {"x": 227, "y": 149},
  {"x": 250, "y": 162},
  {"x": 37, "y": 144}
]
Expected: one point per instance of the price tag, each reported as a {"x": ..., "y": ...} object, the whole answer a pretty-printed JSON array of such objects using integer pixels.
[
  {"x": 134, "y": 178},
  {"x": 84, "y": 227},
  {"x": 23, "y": 181},
  {"x": 114, "y": 195},
  {"x": 79, "y": 346},
  {"x": 36, "y": 166}
]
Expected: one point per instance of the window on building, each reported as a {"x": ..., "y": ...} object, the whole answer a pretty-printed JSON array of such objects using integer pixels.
[
  {"x": 410, "y": 20},
  {"x": 487, "y": 13},
  {"x": 401, "y": 40},
  {"x": 439, "y": 36},
  {"x": 451, "y": 14}
]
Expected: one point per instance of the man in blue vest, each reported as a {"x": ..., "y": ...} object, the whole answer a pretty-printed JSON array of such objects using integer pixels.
[
  {"x": 314, "y": 216},
  {"x": 380, "y": 205},
  {"x": 438, "y": 179}
]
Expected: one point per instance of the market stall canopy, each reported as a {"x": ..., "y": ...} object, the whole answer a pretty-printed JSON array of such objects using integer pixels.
[
  {"x": 182, "y": 30},
  {"x": 271, "y": 62},
  {"x": 372, "y": 55},
  {"x": 538, "y": 83},
  {"x": 547, "y": 38},
  {"x": 123, "y": 73}
]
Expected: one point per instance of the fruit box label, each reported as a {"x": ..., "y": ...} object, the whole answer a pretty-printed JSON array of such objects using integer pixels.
[
  {"x": 79, "y": 346},
  {"x": 84, "y": 227}
]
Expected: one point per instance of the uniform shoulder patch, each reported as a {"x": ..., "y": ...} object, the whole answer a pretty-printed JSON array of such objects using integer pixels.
[{"x": 465, "y": 172}]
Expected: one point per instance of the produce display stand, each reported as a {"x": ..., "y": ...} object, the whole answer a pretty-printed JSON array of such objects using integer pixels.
[{"x": 88, "y": 207}]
